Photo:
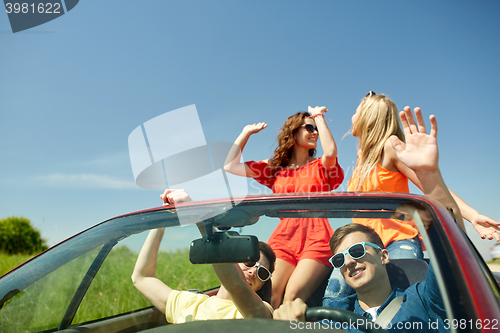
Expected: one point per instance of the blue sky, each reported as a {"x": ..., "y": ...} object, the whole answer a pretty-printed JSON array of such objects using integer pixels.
[{"x": 73, "y": 89}]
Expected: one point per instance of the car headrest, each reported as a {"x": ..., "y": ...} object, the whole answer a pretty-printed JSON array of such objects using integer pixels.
[{"x": 405, "y": 272}]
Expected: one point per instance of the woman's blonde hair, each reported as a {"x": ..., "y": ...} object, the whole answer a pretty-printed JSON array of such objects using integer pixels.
[
  {"x": 286, "y": 141},
  {"x": 378, "y": 119}
]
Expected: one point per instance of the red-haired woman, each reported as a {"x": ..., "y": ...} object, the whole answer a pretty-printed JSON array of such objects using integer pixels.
[{"x": 300, "y": 244}]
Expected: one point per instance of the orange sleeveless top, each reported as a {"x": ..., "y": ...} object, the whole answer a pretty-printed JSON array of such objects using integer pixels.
[{"x": 389, "y": 230}]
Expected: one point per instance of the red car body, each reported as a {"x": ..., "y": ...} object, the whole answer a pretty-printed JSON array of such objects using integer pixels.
[{"x": 471, "y": 292}]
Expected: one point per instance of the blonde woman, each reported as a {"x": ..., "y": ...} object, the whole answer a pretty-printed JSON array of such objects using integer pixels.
[{"x": 379, "y": 169}]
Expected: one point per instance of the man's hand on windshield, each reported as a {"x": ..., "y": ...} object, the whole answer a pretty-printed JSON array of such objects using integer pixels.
[{"x": 173, "y": 196}]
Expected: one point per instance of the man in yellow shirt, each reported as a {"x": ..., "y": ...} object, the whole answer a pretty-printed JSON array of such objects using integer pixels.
[
  {"x": 237, "y": 297},
  {"x": 184, "y": 306}
]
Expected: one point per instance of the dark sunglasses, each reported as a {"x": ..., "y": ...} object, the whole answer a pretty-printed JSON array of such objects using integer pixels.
[
  {"x": 310, "y": 128},
  {"x": 356, "y": 251},
  {"x": 262, "y": 272},
  {"x": 370, "y": 94}
]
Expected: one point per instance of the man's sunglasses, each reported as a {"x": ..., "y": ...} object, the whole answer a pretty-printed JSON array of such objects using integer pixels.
[
  {"x": 370, "y": 94},
  {"x": 310, "y": 128},
  {"x": 356, "y": 251},
  {"x": 262, "y": 272}
]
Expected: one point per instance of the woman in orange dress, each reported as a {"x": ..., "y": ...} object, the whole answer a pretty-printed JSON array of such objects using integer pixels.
[{"x": 300, "y": 244}]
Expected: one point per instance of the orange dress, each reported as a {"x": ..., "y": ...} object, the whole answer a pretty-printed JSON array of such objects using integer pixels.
[
  {"x": 295, "y": 239},
  {"x": 389, "y": 230}
]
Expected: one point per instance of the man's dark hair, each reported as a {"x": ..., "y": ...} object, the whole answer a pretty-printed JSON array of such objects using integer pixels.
[
  {"x": 347, "y": 229},
  {"x": 269, "y": 253},
  {"x": 265, "y": 291}
]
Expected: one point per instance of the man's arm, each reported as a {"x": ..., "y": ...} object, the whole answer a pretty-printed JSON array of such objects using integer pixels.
[
  {"x": 246, "y": 300},
  {"x": 420, "y": 153},
  {"x": 144, "y": 275},
  {"x": 230, "y": 275},
  {"x": 232, "y": 278}
]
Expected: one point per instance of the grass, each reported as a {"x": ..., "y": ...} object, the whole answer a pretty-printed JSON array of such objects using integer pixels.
[
  {"x": 112, "y": 288},
  {"x": 8, "y": 261},
  {"x": 495, "y": 261},
  {"x": 42, "y": 305}
]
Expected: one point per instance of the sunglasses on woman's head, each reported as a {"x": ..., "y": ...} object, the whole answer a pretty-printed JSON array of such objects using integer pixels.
[
  {"x": 310, "y": 128},
  {"x": 356, "y": 251},
  {"x": 370, "y": 94},
  {"x": 262, "y": 272}
]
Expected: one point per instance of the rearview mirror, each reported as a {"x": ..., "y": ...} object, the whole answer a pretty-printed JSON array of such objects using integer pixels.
[{"x": 224, "y": 247}]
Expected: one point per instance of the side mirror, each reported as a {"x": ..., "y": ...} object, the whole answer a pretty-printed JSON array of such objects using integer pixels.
[{"x": 224, "y": 247}]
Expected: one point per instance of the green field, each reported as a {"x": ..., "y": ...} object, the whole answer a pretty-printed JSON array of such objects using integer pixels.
[
  {"x": 10, "y": 261},
  {"x": 42, "y": 305},
  {"x": 495, "y": 261}
]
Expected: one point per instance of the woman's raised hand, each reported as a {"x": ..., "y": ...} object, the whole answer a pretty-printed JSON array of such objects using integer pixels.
[
  {"x": 254, "y": 128},
  {"x": 486, "y": 227},
  {"x": 317, "y": 110}
]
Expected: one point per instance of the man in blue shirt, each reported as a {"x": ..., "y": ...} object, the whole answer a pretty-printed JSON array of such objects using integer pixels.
[{"x": 360, "y": 255}]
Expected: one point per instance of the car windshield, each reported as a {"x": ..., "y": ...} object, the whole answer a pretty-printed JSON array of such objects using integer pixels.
[{"x": 87, "y": 278}]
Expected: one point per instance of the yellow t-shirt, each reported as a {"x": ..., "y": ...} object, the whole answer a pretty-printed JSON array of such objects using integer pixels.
[{"x": 185, "y": 306}]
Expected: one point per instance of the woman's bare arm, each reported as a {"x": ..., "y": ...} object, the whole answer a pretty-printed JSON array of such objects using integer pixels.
[
  {"x": 233, "y": 164},
  {"x": 329, "y": 158}
]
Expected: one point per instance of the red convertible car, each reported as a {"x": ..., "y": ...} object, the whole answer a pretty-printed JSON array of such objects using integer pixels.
[{"x": 83, "y": 284}]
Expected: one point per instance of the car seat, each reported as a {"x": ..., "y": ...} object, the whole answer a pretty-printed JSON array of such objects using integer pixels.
[{"x": 405, "y": 272}]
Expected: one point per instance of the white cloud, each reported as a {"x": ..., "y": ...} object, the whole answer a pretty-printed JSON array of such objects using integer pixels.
[
  {"x": 86, "y": 180},
  {"x": 110, "y": 159}
]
